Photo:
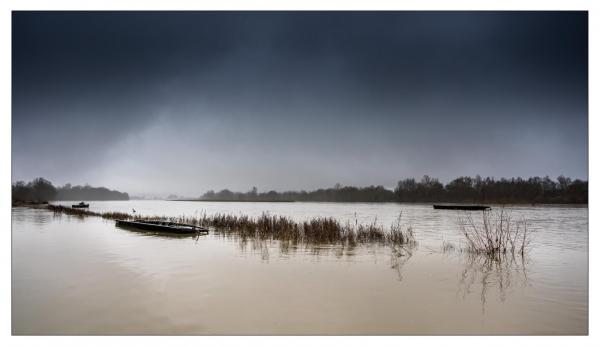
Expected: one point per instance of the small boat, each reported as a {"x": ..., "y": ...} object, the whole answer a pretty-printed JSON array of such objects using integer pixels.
[
  {"x": 80, "y": 205},
  {"x": 461, "y": 207},
  {"x": 162, "y": 226}
]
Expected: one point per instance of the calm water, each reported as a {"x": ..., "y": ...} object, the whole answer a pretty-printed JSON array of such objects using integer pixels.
[{"x": 85, "y": 276}]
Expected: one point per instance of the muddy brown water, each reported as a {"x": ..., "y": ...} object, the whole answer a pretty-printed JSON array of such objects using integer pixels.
[{"x": 86, "y": 276}]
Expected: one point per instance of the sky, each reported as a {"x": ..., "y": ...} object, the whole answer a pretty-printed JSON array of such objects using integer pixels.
[{"x": 156, "y": 103}]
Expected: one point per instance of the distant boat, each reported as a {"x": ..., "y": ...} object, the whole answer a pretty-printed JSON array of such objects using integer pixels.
[
  {"x": 80, "y": 205},
  {"x": 163, "y": 226},
  {"x": 461, "y": 207}
]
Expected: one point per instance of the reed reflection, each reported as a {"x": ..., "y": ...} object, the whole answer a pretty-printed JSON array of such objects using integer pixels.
[{"x": 489, "y": 276}]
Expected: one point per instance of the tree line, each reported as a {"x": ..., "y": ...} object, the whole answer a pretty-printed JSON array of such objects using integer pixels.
[
  {"x": 42, "y": 190},
  {"x": 336, "y": 194},
  {"x": 459, "y": 190}
]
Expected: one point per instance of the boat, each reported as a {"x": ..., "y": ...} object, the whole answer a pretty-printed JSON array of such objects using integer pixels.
[
  {"x": 461, "y": 207},
  {"x": 162, "y": 226},
  {"x": 80, "y": 205}
]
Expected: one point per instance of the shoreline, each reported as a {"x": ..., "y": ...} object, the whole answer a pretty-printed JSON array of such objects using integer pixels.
[
  {"x": 571, "y": 205},
  {"x": 226, "y": 200}
]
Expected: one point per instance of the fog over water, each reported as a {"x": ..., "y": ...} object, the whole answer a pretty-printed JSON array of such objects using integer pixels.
[{"x": 181, "y": 103}]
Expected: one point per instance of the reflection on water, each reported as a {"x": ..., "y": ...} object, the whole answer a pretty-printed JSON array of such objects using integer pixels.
[
  {"x": 493, "y": 274},
  {"x": 399, "y": 257},
  {"x": 86, "y": 276},
  {"x": 30, "y": 215}
]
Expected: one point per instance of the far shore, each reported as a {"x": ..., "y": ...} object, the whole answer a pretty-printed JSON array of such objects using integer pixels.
[
  {"x": 226, "y": 200},
  {"x": 33, "y": 204},
  {"x": 382, "y": 202}
]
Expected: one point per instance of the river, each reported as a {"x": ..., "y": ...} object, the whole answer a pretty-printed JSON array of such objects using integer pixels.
[{"x": 74, "y": 275}]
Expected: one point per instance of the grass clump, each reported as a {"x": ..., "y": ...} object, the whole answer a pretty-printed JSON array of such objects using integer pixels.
[
  {"x": 496, "y": 234},
  {"x": 319, "y": 230},
  {"x": 59, "y": 209}
]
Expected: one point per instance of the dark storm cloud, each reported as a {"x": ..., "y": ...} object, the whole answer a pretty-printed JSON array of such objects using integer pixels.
[{"x": 297, "y": 100}]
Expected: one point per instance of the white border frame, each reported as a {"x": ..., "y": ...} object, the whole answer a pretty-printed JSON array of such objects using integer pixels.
[{"x": 5, "y": 144}]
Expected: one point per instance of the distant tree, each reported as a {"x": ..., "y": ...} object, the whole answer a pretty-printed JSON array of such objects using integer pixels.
[
  {"x": 428, "y": 189},
  {"x": 87, "y": 192},
  {"x": 21, "y": 192},
  {"x": 38, "y": 190},
  {"x": 406, "y": 190},
  {"x": 43, "y": 190},
  {"x": 462, "y": 189},
  {"x": 563, "y": 183}
]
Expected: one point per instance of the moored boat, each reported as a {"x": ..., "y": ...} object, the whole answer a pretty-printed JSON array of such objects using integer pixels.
[
  {"x": 461, "y": 207},
  {"x": 162, "y": 226},
  {"x": 80, "y": 205}
]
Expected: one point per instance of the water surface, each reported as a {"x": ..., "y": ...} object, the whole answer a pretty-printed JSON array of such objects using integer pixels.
[{"x": 86, "y": 276}]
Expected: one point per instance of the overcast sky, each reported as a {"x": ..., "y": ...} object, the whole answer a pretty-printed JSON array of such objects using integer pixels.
[{"x": 183, "y": 102}]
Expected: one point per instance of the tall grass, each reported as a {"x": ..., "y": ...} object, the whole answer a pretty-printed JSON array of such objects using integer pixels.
[
  {"x": 496, "y": 234},
  {"x": 59, "y": 209},
  {"x": 319, "y": 230}
]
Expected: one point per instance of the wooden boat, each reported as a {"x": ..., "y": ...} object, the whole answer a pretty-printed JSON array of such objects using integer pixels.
[
  {"x": 80, "y": 205},
  {"x": 461, "y": 207},
  {"x": 162, "y": 226}
]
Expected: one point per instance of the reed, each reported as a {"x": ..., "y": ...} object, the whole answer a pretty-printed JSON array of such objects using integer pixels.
[
  {"x": 320, "y": 230},
  {"x": 495, "y": 235},
  {"x": 59, "y": 209}
]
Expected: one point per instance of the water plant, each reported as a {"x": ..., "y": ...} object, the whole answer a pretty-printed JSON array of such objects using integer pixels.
[
  {"x": 319, "y": 230},
  {"x": 496, "y": 234}
]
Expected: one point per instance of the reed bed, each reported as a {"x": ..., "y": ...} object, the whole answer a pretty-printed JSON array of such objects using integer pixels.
[
  {"x": 495, "y": 235},
  {"x": 320, "y": 230},
  {"x": 59, "y": 209}
]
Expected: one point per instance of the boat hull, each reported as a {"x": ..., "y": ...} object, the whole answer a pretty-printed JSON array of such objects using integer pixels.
[
  {"x": 461, "y": 207},
  {"x": 165, "y": 227}
]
